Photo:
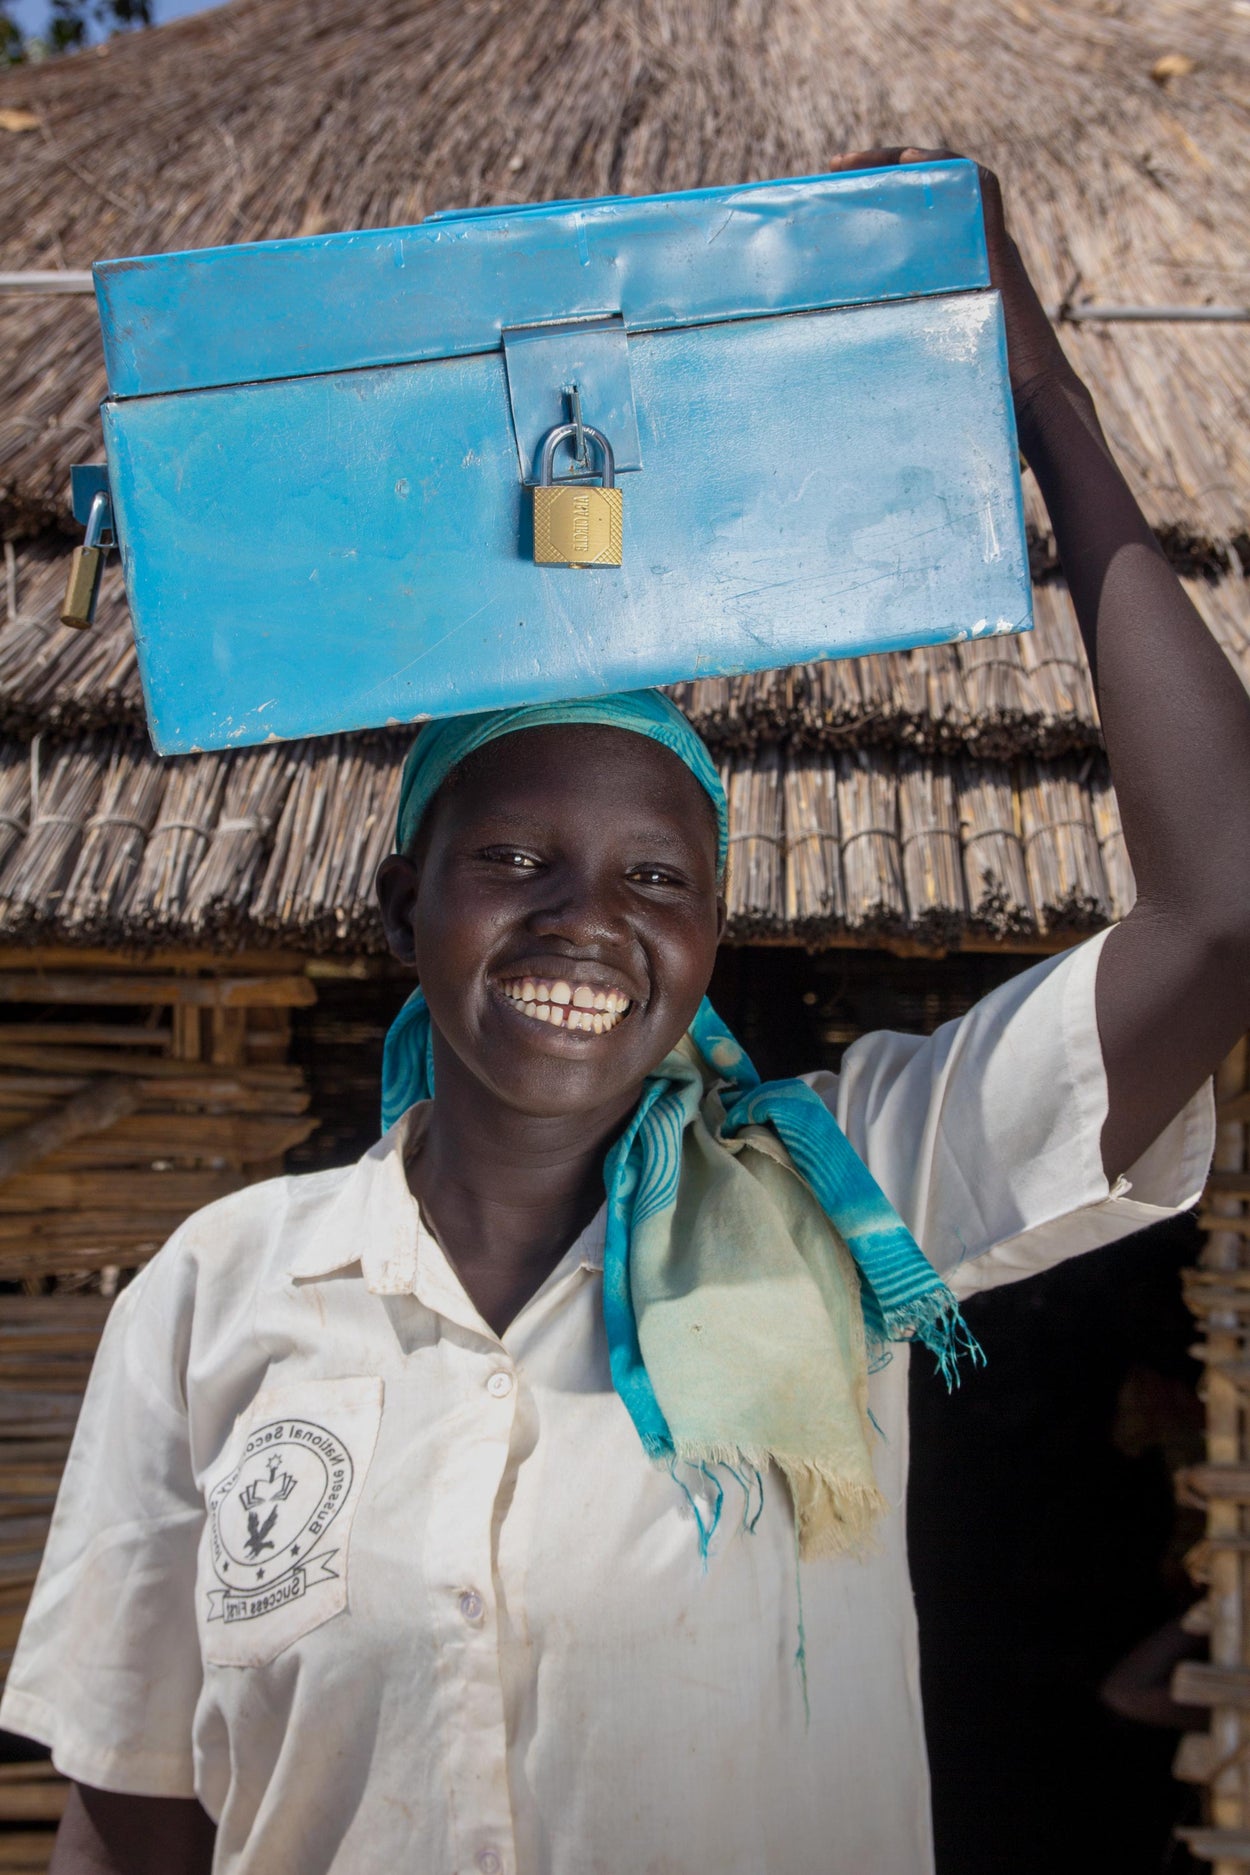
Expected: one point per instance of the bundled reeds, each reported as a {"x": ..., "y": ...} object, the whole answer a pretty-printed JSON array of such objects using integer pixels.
[
  {"x": 337, "y": 824},
  {"x": 219, "y": 899},
  {"x": 115, "y": 838},
  {"x": 871, "y": 871},
  {"x": 180, "y": 837},
  {"x": 994, "y": 870},
  {"x": 1004, "y": 709},
  {"x": 64, "y": 788},
  {"x": 814, "y": 901},
  {"x": 931, "y": 849},
  {"x": 753, "y": 787},
  {"x": 281, "y": 844},
  {"x": 14, "y": 798},
  {"x": 1066, "y": 879},
  {"x": 1064, "y": 714},
  {"x": 996, "y": 698},
  {"x": 52, "y": 678}
]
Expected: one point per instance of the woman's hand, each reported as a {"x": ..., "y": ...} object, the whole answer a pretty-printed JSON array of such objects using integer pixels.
[{"x": 1033, "y": 351}]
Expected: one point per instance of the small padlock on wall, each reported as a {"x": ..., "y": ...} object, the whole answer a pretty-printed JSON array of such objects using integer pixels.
[
  {"x": 575, "y": 523},
  {"x": 87, "y": 565}
]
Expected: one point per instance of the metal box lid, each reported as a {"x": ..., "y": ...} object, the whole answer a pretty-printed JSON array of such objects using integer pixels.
[{"x": 451, "y": 285}]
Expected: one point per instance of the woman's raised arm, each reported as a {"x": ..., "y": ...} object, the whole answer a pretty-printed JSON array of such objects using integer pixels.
[{"x": 1173, "y": 987}]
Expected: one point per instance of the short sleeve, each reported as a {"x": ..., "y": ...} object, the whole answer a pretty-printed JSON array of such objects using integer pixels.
[
  {"x": 107, "y": 1670},
  {"x": 986, "y": 1136}
]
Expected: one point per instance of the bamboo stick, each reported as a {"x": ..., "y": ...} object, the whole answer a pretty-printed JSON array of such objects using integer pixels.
[
  {"x": 222, "y": 992},
  {"x": 93, "y": 1110},
  {"x": 1226, "y": 1447}
]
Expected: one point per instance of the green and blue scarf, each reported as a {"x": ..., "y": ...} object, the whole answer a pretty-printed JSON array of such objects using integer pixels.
[{"x": 754, "y": 1269}]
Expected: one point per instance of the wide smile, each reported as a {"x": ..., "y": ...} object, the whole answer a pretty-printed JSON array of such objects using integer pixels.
[{"x": 584, "y": 1008}]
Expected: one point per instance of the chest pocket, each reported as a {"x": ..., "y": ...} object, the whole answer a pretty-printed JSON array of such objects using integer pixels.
[{"x": 274, "y": 1564}]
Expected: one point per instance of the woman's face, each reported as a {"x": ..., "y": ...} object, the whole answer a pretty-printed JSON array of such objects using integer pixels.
[{"x": 562, "y": 912}]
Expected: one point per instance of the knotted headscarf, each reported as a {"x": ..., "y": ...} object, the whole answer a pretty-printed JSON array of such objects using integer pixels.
[{"x": 753, "y": 1267}]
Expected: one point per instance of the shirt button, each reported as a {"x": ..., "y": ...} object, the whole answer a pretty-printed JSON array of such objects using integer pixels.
[
  {"x": 499, "y": 1386},
  {"x": 489, "y": 1862},
  {"x": 472, "y": 1607}
]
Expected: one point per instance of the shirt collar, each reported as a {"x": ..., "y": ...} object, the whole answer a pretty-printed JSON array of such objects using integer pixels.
[
  {"x": 589, "y": 1246},
  {"x": 374, "y": 1223}
]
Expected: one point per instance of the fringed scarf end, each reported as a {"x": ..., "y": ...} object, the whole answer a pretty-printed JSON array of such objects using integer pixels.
[
  {"x": 935, "y": 1320},
  {"x": 833, "y": 1515}
]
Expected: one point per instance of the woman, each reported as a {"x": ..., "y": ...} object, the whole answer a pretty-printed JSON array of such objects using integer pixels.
[{"x": 438, "y": 1514}]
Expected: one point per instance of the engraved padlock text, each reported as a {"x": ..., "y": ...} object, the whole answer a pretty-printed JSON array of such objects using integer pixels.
[{"x": 575, "y": 523}]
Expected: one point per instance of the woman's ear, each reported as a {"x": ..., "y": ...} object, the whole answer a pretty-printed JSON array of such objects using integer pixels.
[
  {"x": 722, "y": 919},
  {"x": 397, "y": 885}
]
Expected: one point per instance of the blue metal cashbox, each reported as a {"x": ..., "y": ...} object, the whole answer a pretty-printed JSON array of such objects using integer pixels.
[{"x": 321, "y": 451}]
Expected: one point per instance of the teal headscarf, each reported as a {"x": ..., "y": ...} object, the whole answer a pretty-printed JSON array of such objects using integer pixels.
[
  {"x": 699, "y": 1110},
  {"x": 442, "y": 746}
]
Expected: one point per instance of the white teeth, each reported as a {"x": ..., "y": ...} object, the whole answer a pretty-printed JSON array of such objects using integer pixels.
[{"x": 582, "y": 1009}]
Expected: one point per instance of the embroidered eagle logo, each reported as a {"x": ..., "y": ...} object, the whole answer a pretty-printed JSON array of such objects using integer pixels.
[
  {"x": 272, "y": 1489},
  {"x": 257, "y": 1532}
]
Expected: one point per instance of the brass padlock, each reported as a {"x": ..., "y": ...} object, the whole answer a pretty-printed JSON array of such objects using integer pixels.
[
  {"x": 85, "y": 567},
  {"x": 575, "y": 523}
]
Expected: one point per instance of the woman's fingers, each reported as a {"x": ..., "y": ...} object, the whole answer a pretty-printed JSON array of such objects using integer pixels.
[
  {"x": 1031, "y": 344},
  {"x": 884, "y": 157}
]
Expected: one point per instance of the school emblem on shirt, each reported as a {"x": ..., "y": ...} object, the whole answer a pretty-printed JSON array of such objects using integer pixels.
[
  {"x": 273, "y": 1563},
  {"x": 267, "y": 1519}
]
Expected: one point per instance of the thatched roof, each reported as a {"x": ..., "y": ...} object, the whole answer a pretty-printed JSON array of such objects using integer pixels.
[
  {"x": 949, "y": 796},
  {"x": 957, "y": 795},
  {"x": 280, "y": 117}
]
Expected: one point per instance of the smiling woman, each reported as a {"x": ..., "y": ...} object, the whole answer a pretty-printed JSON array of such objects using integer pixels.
[
  {"x": 511, "y": 875},
  {"x": 595, "y": 1334}
]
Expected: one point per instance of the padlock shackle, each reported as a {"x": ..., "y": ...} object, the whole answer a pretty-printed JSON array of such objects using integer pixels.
[
  {"x": 99, "y": 521},
  {"x": 553, "y": 438}
]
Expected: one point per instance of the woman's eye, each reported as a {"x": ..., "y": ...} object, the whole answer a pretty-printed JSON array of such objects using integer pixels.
[
  {"x": 651, "y": 875},
  {"x": 508, "y": 856}
]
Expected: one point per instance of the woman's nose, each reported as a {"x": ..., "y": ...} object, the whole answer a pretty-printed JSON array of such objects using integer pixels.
[{"x": 580, "y": 906}]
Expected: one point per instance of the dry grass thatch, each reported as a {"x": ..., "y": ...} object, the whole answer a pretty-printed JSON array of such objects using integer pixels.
[
  {"x": 945, "y": 796},
  {"x": 282, "y": 117},
  {"x": 279, "y": 846}
]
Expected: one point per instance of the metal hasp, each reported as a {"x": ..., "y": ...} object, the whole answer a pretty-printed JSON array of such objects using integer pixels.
[
  {"x": 322, "y": 451},
  {"x": 576, "y": 524},
  {"x": 86, "y": 565},
  {"x": 544, "y": 363}
]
